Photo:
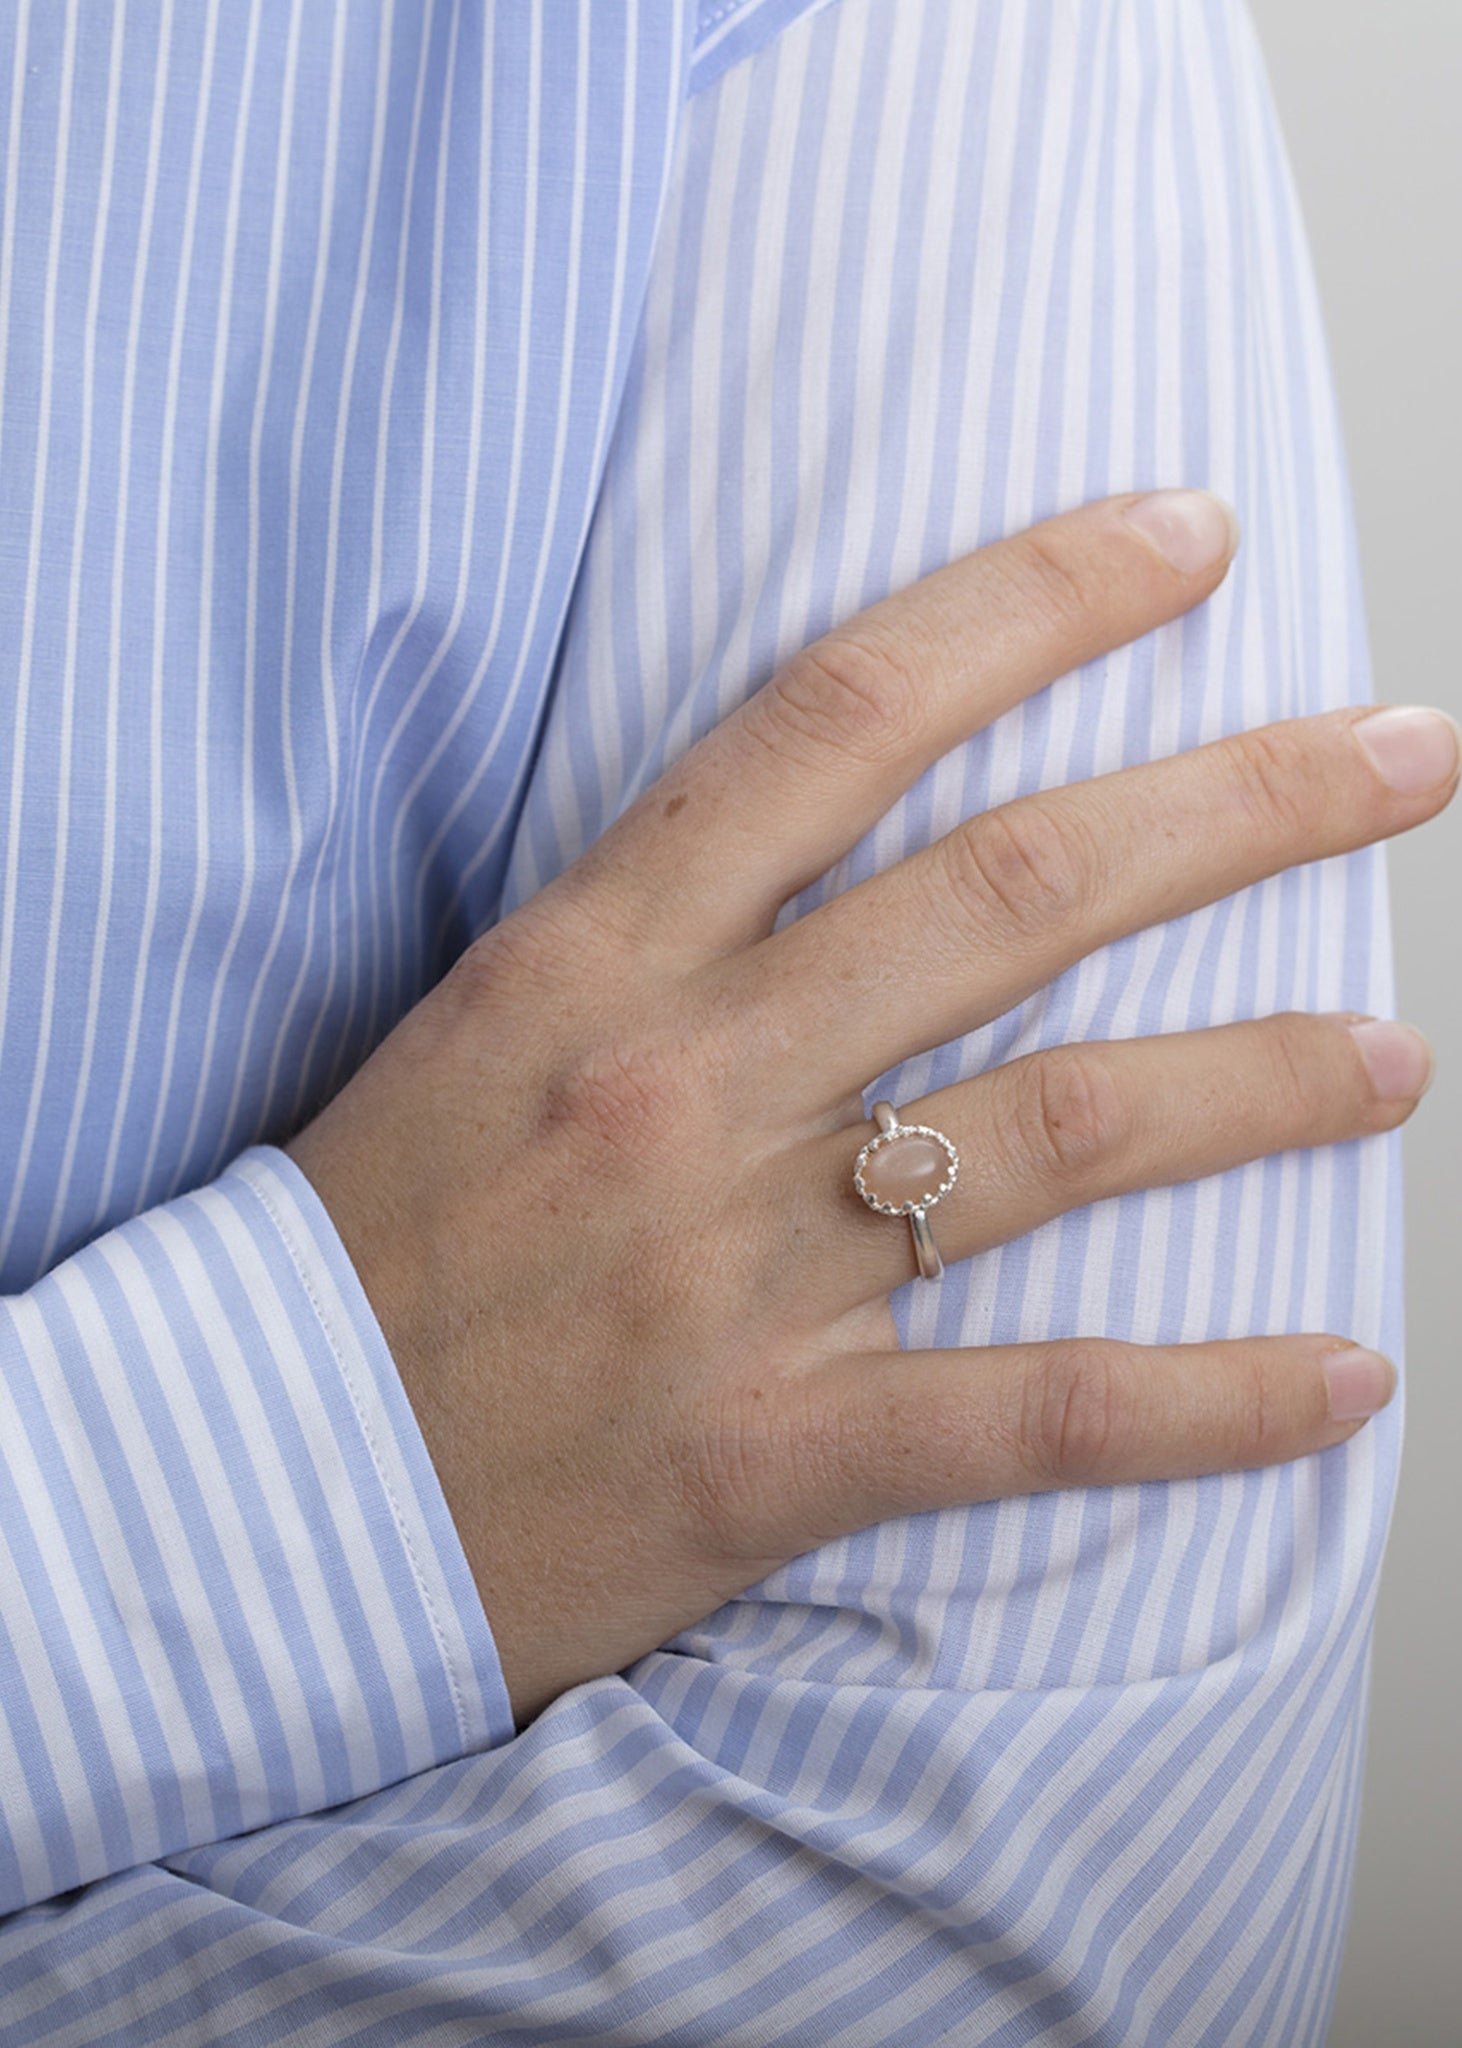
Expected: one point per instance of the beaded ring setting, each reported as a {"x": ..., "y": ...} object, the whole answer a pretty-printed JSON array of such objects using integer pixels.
[{"x": 903, "y": 1171}]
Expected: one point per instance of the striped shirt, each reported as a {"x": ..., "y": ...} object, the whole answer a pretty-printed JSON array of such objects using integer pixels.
[{"x": 421, "y": 422}]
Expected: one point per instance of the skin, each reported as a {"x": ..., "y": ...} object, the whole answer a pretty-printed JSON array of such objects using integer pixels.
[{"x": 597, "y": 1185}]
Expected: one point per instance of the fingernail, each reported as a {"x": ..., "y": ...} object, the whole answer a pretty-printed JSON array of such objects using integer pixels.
[
  {"x": 1192, "y": 529},
  {"x": 1414, "y": 748},
  {"x": 1398, "y": 1059},
  {"x": 1359, "y": 1383}
]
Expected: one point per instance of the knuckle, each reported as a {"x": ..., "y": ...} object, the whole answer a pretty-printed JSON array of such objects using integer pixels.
[
  {"x": 622, "y": 1101},
  {"x": 532, "y": 954},
  {"x": 1023, "y": 866},
  {"x": 502, "y": 954},
  {"x": 1257, "y": 1426},
  {"x": 848, "y": 694},
  {"x": 1069, "y": 1115},
  {"x": 1076, "y": 1425},
  {"x": 1277, "y": 784},
  {"x": 1295, "y": 1057},
  {"x": 1055, "y": 578}
]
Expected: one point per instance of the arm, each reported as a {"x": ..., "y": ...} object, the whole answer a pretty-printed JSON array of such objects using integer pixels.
[
  {"x": 230, "y": 1587},
  {"x": 1077, "y": 1767},
  {"x": 1069, "y": 1754}
]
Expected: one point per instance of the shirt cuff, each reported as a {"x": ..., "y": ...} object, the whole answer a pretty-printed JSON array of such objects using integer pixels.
[
  {"x": 387, "y": 1466},
  {"x": 231, "y": 1589}
]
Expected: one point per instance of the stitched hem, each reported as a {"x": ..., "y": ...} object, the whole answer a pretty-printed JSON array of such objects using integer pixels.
[{"x": 249, "y": 1174}]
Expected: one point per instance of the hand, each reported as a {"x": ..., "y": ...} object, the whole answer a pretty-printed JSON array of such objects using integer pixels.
[{"x": 598, "y": 1183}]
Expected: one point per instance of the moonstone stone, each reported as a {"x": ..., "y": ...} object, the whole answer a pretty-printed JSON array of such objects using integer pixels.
[{"x": 906, "y": 1170}]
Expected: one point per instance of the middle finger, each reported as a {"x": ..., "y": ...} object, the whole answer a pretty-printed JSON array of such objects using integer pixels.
[{"x": 958, "y": 933}]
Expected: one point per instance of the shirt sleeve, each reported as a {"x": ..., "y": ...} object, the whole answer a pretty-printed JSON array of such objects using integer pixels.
[
  {"x": 1079, "y": 1767},
  {"x": 230, "y": 1588}
]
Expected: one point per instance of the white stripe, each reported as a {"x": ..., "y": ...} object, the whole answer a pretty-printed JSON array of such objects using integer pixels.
[
  {"x": 21, "y": 1163},
  {"x": 147, "y": 923},
  {"x": 119, "y": 552},
  {"x": 39, "y": 484}
]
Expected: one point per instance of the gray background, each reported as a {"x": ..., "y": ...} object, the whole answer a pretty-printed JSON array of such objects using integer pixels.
[{"x": 1371, "y": 100}]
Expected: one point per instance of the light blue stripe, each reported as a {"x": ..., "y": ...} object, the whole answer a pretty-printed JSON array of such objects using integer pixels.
[{"x": 340, "y": 506}]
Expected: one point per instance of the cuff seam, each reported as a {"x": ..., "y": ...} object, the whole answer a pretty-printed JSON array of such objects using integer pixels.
[{"x": 246, "y": 1173}]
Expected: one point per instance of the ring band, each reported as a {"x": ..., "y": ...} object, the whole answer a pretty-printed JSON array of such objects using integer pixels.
[{"x": 900, "y": 1172}]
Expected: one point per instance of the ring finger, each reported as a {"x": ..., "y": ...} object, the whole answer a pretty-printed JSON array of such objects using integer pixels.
[{"x": 1055, "y": 1130}]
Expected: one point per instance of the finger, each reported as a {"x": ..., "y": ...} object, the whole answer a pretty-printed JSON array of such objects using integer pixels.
[
  {"x": 777, "y": 792},
  {"x": 961, "y": 931},
  {"x": 1058, "y": 1129},
  {"x": 899, "y": 1433}
]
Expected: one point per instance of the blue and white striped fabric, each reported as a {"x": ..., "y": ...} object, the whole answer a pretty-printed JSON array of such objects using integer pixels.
[{"x": 420, "y": 422}]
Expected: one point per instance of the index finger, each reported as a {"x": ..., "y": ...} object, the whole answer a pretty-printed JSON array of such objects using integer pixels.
[{"x": 777, "y": 792}]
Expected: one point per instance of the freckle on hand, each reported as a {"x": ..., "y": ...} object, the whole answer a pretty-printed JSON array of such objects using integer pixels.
[{"x": 675, "y": 804}]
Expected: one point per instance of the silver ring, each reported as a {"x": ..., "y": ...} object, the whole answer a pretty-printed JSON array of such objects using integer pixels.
[{"x": 906, "y": 1180}]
